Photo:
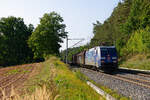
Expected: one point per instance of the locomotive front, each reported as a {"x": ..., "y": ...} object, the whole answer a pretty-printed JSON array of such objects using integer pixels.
[{"x": 109, "y": 58}]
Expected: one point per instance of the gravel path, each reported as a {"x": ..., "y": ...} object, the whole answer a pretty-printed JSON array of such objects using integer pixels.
[{"x": 127, "y": 89}]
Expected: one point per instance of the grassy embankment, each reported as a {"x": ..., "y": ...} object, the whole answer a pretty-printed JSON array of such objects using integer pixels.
[
  {"x": 140, "y": 61},
  {"x": 52, "y": 80}
]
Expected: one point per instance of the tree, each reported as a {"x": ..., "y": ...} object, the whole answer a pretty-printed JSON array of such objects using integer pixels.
[
  {"x": 139, "y": 17},
  {"x": 13, "y": 41},
  {"x": 110, "y": 32},
  {"x": 48, "y": 35}
]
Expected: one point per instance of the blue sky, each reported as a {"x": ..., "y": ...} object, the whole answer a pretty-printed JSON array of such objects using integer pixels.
[{"x": 78, "y": 15}]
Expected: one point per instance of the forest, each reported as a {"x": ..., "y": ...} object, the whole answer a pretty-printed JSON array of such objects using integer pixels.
[
  {"x": 21, "y": 43},
  {"x": 128, "y": 28}
]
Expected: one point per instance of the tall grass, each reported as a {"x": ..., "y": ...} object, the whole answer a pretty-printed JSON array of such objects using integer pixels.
[
  {"x": 54, "y": 81},
  {"x": 42, "y": 93},
  {"x": 39, "y": 87},
  {"x": 140, "y": 61},
  {"x": 69, "y": 85}
]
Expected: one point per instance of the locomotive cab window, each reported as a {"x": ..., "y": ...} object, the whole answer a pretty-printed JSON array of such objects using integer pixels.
[
  {"x": 108, "y": 51},
  {"x": 104, "y": 52},
  {"x": 112, "y": 52}
]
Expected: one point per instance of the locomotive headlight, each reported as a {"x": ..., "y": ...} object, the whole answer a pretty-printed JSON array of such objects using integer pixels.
[
  {"x": 103, "y": 57},
  {"x": 114, "y": 57},
  {"x": 103, "y": 61},
  {"x": 114, "y": 61}
]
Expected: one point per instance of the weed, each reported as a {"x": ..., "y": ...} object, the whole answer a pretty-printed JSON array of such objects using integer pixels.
[
  {"x": 14, "y": 71},
  {"x": 41, "y": 93}
]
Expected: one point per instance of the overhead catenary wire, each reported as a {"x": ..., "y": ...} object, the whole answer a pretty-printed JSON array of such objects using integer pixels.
[{"x": 67, "y": 39}]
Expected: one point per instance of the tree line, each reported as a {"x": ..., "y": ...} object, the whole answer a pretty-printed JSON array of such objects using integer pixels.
[
  {"x": 21, "y": 43},
  {"x": 128, "y": 28}
]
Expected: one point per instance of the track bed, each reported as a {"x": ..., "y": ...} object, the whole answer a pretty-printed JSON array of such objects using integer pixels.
[{"x": 129, "y": 84}]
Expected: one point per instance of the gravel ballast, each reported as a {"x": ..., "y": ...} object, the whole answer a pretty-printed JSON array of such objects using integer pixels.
[{"x": 127, "y": 89}]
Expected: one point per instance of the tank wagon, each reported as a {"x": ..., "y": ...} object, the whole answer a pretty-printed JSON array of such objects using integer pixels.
[{"x": 100, "y": 57}]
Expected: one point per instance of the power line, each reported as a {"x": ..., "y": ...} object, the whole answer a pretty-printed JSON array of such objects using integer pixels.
[
  {"x": 67, "y": 39},
  {"x": 76, "y": 43}
]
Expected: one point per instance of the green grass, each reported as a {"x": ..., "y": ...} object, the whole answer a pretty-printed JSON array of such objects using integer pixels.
[
  {"x": 70, "y": 86},
  {"x": 107, "y": 90},
  {"x": 137, "y": 62},
  {"x": 16, "y": 71},
  {"x": 41, "y": 77},
  {"x": 34, "y": 86},
  {"x": 61, "y": 81}
]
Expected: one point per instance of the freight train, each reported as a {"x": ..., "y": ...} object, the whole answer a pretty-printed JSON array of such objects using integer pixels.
[{"x": 101, "y": 57}]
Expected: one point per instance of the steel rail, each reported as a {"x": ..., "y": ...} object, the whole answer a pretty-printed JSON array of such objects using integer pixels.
[
  {"x": 128, "y": 80},
  {"x": 139, "y": 82},
  {"x": 145, "y": 75}
]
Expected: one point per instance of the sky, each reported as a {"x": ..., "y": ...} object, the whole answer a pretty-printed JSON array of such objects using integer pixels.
[{"x": 78, "y": 15}]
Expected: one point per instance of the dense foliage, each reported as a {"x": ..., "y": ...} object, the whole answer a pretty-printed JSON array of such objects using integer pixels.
[
  {"x": 110, "y": 31},
  {"x": 48, "y": 35},
  {"x": 20, "y": 43},
  {"x": 128, "y": 28},
  {"x": 13, "y": 46},
  {"x": 137, "y": 28}
]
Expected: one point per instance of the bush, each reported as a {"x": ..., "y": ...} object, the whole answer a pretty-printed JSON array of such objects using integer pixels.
[{"x": 139, "y": 42}]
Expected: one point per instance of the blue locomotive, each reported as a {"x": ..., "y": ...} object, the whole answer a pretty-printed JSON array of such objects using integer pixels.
[{"x": 100, "y": 57}]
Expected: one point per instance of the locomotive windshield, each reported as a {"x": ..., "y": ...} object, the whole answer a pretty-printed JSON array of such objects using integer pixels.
[
  {"x": 108, "y": 51},
  {"x": 112, "y": 52},
  {"x": 104, "y": 52}
]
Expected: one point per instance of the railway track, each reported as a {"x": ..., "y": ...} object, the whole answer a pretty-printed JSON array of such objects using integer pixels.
[
  {"x": 7, "y": 82},
  {"x": 140, "y": 73},
  {"x": 145, "y": 75},
  {"x": 137, "y": 81},
  {"x": 135, "y": 85}
]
